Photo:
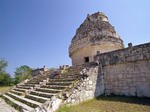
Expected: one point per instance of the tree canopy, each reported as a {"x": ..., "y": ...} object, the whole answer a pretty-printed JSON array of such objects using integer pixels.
[
  {"x": 5, "y": 79},
  {"x": 23, "y": 72},
  {"x": 3, "y": 65}
]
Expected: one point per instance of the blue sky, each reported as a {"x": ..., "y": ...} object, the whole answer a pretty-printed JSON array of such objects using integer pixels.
[{"x": 39, "y": 32}]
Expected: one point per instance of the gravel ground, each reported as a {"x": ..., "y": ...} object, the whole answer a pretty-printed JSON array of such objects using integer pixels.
[{"x": 4, "y": 107}]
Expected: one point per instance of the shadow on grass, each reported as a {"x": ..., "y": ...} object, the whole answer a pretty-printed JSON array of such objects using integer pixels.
[{"x": 125, "y": 99}]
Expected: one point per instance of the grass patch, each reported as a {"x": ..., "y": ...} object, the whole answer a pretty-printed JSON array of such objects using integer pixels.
[
  {"x": 111, "y": 104},
  {"x": 4, "y": 89}
]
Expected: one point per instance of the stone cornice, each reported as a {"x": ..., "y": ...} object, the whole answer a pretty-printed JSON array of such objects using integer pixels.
[{"x": 85, "y": 42}]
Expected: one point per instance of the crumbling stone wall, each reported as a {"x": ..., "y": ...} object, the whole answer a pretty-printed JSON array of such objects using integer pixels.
[
  {"x": 126, "y": 71},
  {"x": 39, "y": 71},
  {"x": 90, "y": 86}
]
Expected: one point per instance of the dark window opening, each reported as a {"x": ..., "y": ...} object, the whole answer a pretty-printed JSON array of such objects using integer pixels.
[
  {"x": 98, "y": 52},
  {"x": 86, "y": 59}
]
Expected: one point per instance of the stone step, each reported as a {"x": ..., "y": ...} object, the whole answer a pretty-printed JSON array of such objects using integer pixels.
[
  {"x": 18, "y": 92},
  {"x": 59, "y": 87},
  {"x": 24, "y": 87},
  {"x": 38, "y": 79},
  {"x": 59, "y": 83},
  {"x": 21, "y": 90},
  {"x": 69, "y": 77},
  {"x": 73, "y": 76},
  {"x": 48, "y": 90},
  {"x": 42, "y": 94},
  {"x": 16, "y": 104},
  {"x": 28, "y": 85},
  {"x": 26, "y": 101},
  {"x": 62, "y": 80},
  {"x": 36, "y": 98},
  {"x": 34, "y": 82}
]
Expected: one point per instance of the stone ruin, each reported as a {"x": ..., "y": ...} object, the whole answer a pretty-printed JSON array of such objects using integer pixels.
[
  {"x": 38, "y": 71},
  {"x": 110, "y": 69},
  {"x": 94, "y": 35}
]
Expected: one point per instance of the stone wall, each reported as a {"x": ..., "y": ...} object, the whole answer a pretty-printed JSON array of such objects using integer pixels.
[
  {"x": 126, "y": 71},
  {"x": 120, "y": 72},
  {"x": 90, "y": 86},
  {"x": 39, "y": 71},
  {"x": 131, "y": 79},
  {"x": 90, "y": 49}
]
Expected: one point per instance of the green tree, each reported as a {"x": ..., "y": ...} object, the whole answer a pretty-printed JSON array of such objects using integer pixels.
[
  {"x": 5, "y": 78},
  {"x": 3, "y": 65},
  {"x": 23, "y": 72}
]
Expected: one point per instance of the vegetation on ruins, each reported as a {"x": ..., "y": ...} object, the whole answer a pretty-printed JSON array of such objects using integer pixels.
[
  {"x": 64, "y": 71},
  {"x": 23, "y": 72}
]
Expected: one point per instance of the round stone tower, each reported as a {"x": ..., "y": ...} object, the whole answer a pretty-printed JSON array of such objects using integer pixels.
[{"x": 95, "y": 35}]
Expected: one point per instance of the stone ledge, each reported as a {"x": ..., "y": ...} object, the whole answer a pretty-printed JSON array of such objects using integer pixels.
[{"x": 135, "y": 53}]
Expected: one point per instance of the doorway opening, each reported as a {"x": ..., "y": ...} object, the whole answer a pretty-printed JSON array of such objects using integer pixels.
[{"x": 86, "y": 59}]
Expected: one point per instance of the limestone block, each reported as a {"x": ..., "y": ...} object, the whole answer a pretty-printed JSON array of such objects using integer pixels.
[
  {"x": 129, "y": 75},
  {"x": 54, "y": 104},
  {"x": 120, "y": 76},
  {"x": 143, "y": 90},
  {"x": 73, "y": 101},
  {"x": 90, "y": 82},
  {"x": 69, "y": 100}
]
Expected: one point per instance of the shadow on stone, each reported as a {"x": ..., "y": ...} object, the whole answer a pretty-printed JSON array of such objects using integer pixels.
[{"x": 99, "y": 89}]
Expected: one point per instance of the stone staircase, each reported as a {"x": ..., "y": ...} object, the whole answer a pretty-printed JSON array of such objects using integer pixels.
[{"x": 29, "y": 95}]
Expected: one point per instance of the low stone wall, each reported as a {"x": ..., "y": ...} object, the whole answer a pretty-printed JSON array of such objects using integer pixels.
[
  {"x": 131, "y": 79},
  {"x": 90, "y": 86},
  {"x": 126, "y": 71},
  {"x": 130, "y": 54}
]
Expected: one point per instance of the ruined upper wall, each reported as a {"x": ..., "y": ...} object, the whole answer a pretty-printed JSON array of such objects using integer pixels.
[
  {"x": 95, "y": 25},
  {"x": 126, "y": 71},
  {"x": 130, "y": 54},
  {"x": 95, "y": 30}
]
